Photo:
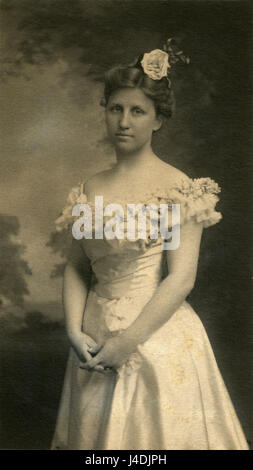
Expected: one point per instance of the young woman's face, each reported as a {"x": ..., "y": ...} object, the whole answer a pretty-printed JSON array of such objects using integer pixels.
[{"x": 131, "y": 119}]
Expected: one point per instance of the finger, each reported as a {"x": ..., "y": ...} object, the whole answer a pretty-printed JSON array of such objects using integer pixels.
[
  {"x": 91, "y": 343},
  {"x": 94, "y": 349},
  {"x": 104, "y": 370},
  {"x": 82, "y": 365},
  {"x": 87, "y": 356},
  {"x": 92, "y": 362},
  {"x": 98, "y": 367},
  {"x": 109, "y": 370}
]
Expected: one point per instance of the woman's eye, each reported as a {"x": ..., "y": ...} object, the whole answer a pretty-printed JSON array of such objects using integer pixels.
[
  {"x": 115, "y": 109},
  {"x": 138, "y": 111}
]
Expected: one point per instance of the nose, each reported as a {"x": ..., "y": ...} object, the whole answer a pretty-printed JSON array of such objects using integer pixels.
[{"x": 124, "y": 120}]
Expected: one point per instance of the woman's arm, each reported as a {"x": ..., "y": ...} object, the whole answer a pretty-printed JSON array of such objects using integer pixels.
[
  {"x": 76, "y": 283},
  {"x": 182, "y": 267}
]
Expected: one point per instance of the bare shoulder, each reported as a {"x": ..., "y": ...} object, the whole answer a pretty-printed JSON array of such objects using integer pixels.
[
  {"x": 96, "y": 182},
  {"x": 168, "y": 175}
]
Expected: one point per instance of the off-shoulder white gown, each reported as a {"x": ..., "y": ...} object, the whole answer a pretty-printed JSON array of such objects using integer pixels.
[{"x": 170, "y": 394}]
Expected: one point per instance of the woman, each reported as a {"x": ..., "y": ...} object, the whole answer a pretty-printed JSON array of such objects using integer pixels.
[{"x": 141, "y": 373}]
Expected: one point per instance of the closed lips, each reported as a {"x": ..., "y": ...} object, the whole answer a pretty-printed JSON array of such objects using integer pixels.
[{"x": 125, "y": 135}]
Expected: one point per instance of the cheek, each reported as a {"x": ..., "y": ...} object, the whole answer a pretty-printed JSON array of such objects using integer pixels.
[{"x": 146, "y": 127}]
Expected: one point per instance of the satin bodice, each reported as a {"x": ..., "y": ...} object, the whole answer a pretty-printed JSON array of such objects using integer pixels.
[
  {"x": 134, "y": 267},
  {"x": 120, "y": 268}
]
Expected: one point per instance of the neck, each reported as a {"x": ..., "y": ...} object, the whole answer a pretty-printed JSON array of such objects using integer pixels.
[{"x": 132, "y": 160}]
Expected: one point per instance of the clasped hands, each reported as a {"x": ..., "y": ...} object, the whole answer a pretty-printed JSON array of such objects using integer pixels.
[{"x": 105, "y": 355}]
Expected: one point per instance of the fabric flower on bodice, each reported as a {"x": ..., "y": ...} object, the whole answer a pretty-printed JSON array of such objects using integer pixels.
[
  {"x": 65, "y": 219},
  {"x": 119, "y": 313},
  {"x": 197, "y": 198},
  {"x": 197, "y": 187},
  {"x": 131, "y": 366}
]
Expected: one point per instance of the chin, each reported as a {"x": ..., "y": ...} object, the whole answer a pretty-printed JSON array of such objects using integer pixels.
[
  {"x": 128, "y": 146},
  {"x": 125, "y": 147}
]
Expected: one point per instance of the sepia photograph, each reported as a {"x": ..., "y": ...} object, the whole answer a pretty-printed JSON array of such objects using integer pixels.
[{"x": 125, "y": 226}]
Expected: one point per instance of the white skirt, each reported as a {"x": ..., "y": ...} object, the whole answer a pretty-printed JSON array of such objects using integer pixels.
[{"x": 169, "y": 396}]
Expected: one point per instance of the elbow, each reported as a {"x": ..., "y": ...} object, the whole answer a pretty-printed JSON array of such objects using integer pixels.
[
  {"x": 78, "y": 270},
  {"x": 68, "y": 268},
  {"x": 189, "y": 284},
  {"x": 182, "y": 283}
]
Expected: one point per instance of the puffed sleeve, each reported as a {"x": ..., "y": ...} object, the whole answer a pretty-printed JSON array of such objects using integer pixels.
[
  {"x": 65, "y": 219},
  {"x": 197, "y": 198}
]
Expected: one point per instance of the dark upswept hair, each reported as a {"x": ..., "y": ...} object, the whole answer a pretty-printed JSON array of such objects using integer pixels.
[{"x": 134, "y": 77}]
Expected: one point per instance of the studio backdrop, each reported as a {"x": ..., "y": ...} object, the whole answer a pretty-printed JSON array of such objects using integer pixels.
[{"x": 54, "y": 54}]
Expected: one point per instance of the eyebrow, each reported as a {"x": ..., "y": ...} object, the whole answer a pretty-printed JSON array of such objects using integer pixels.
[{"x": 132, "y": 105}]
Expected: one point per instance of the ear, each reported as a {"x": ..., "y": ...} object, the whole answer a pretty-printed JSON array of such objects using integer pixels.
[{"x": 158, "y": 122}]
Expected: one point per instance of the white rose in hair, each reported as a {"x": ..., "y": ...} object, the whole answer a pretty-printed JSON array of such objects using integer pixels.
[{"x": 155, "y": 64}]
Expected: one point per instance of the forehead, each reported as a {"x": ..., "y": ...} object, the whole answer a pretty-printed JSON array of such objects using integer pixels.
[{"x": 130, "y": 97}]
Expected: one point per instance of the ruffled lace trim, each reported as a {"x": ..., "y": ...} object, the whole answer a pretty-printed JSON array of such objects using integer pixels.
[
  {"x": 197, "y": 198},
  {"x": 75, "y": 196}
]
